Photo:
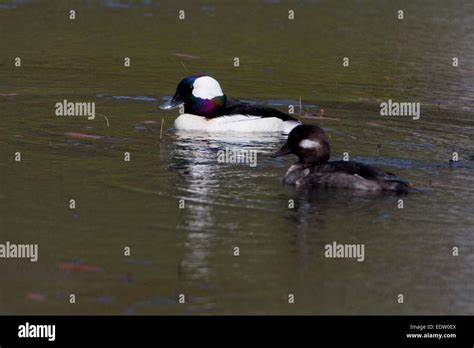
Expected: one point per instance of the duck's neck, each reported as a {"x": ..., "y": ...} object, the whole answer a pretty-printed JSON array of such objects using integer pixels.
[{"x": 206, "y": 107}]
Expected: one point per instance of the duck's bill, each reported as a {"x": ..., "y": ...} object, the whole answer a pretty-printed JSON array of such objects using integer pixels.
[
  {"x": 171, "y": 104},
  {"x": 285, "y": 150}
]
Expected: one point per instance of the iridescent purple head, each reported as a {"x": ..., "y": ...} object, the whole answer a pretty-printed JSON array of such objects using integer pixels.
[{"x": 201, "y": 95}]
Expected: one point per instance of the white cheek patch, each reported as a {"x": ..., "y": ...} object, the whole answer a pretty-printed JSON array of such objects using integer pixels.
[
  {"x": 207, "y": 88},
  {"x": 309, "y": 144}
]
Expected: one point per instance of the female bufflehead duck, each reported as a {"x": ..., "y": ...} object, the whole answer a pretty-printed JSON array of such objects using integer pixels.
[
  {"x": 207, "y": 108},
  {"x": 311, "y": 146}
]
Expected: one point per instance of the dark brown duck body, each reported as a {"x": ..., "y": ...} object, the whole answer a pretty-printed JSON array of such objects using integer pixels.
[{"x": 347, "y": 175}]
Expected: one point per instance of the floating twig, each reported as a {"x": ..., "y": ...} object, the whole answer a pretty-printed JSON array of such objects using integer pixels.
[
  {"x": 161, "y": 129},
  {"x": 106, "y": 119},
  {"x": 184, "y": 66}
]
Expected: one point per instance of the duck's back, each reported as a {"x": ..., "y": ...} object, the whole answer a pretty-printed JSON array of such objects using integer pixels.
[{"x": 345, "y": 174}]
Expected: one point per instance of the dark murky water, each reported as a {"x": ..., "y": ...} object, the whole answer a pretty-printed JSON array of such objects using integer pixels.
[{"x": 407, "y": 251}]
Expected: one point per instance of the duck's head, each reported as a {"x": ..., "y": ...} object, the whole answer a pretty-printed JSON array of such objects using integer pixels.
[
  {"x": 200, "y": 94},
  {"x": 309, "y": 143}
]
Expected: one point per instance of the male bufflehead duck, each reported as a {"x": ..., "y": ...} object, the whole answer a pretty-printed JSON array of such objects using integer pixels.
[
  {"x": 207, "y": 108},
  {"x": 313, "y": 168}
]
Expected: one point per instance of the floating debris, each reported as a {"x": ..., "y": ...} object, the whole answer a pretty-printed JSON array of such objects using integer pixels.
[
  {"x": 79, "y": 267},
  {"x": 310, "y": 116},
  {"x": 35, "y": 296},
  {"x": 374, "y": 124},
  {"x": 77, "y": 135},
  {"x": 187, "y": 56}
]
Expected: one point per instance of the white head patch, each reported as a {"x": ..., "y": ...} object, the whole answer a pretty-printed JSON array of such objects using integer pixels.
[
  {"x": 206, "y": 88},
  {"x": 309, "y": 144}
]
